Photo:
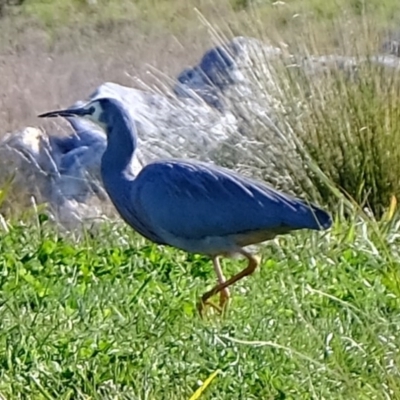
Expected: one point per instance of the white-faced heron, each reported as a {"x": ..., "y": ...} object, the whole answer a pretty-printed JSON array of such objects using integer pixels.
[{"x": 191, "y": 205}]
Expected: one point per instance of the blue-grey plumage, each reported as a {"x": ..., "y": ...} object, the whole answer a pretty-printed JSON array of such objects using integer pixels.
[
  {"x": 191, "y": 205},
  {"x": 205, "y": 209}
]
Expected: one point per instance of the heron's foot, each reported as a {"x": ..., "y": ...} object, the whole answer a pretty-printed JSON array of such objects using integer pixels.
[
  {"x": 221, "y": 308},
  {"x": 203, "y": 304}
]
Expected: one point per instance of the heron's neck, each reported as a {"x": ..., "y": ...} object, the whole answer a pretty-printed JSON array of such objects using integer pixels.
[{"x": 117, "y": 158}]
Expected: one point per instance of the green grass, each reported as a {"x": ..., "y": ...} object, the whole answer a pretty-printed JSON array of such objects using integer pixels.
[{"x": 112, "y": 316}]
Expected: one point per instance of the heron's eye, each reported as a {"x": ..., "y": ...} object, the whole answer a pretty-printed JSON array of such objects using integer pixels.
[{"x": 91, "y": 110}]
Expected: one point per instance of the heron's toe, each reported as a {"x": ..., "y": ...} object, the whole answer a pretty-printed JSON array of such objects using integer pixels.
[
  {"x": 224, "y": 297},
  {"x": 203, "y": 305}
]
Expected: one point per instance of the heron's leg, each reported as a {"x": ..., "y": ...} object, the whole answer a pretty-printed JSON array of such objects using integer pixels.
[
  {"x": 251, "y": 267},
  {"x": 224, "y": 293}
]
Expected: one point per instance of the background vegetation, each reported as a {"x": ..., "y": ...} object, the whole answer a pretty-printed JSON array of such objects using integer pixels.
[{"x": 107, "y": 315}]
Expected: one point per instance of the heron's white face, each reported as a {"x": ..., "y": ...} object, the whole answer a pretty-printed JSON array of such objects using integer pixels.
[{"x": 95, "y": 113}]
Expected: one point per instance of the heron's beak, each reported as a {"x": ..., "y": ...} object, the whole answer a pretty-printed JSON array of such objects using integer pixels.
[{"x": 69, "y": 112}]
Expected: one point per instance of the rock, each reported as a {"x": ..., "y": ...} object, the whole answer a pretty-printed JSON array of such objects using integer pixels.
[
  {"x": 222, "y": 68},
  {"x": 26, "y": 156},
  {"x": 192, "y": 84},
  {"x": 169, "y": 127}
]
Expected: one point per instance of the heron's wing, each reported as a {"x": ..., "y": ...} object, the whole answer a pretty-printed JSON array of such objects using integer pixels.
[{"x": 195, "y": 200}]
